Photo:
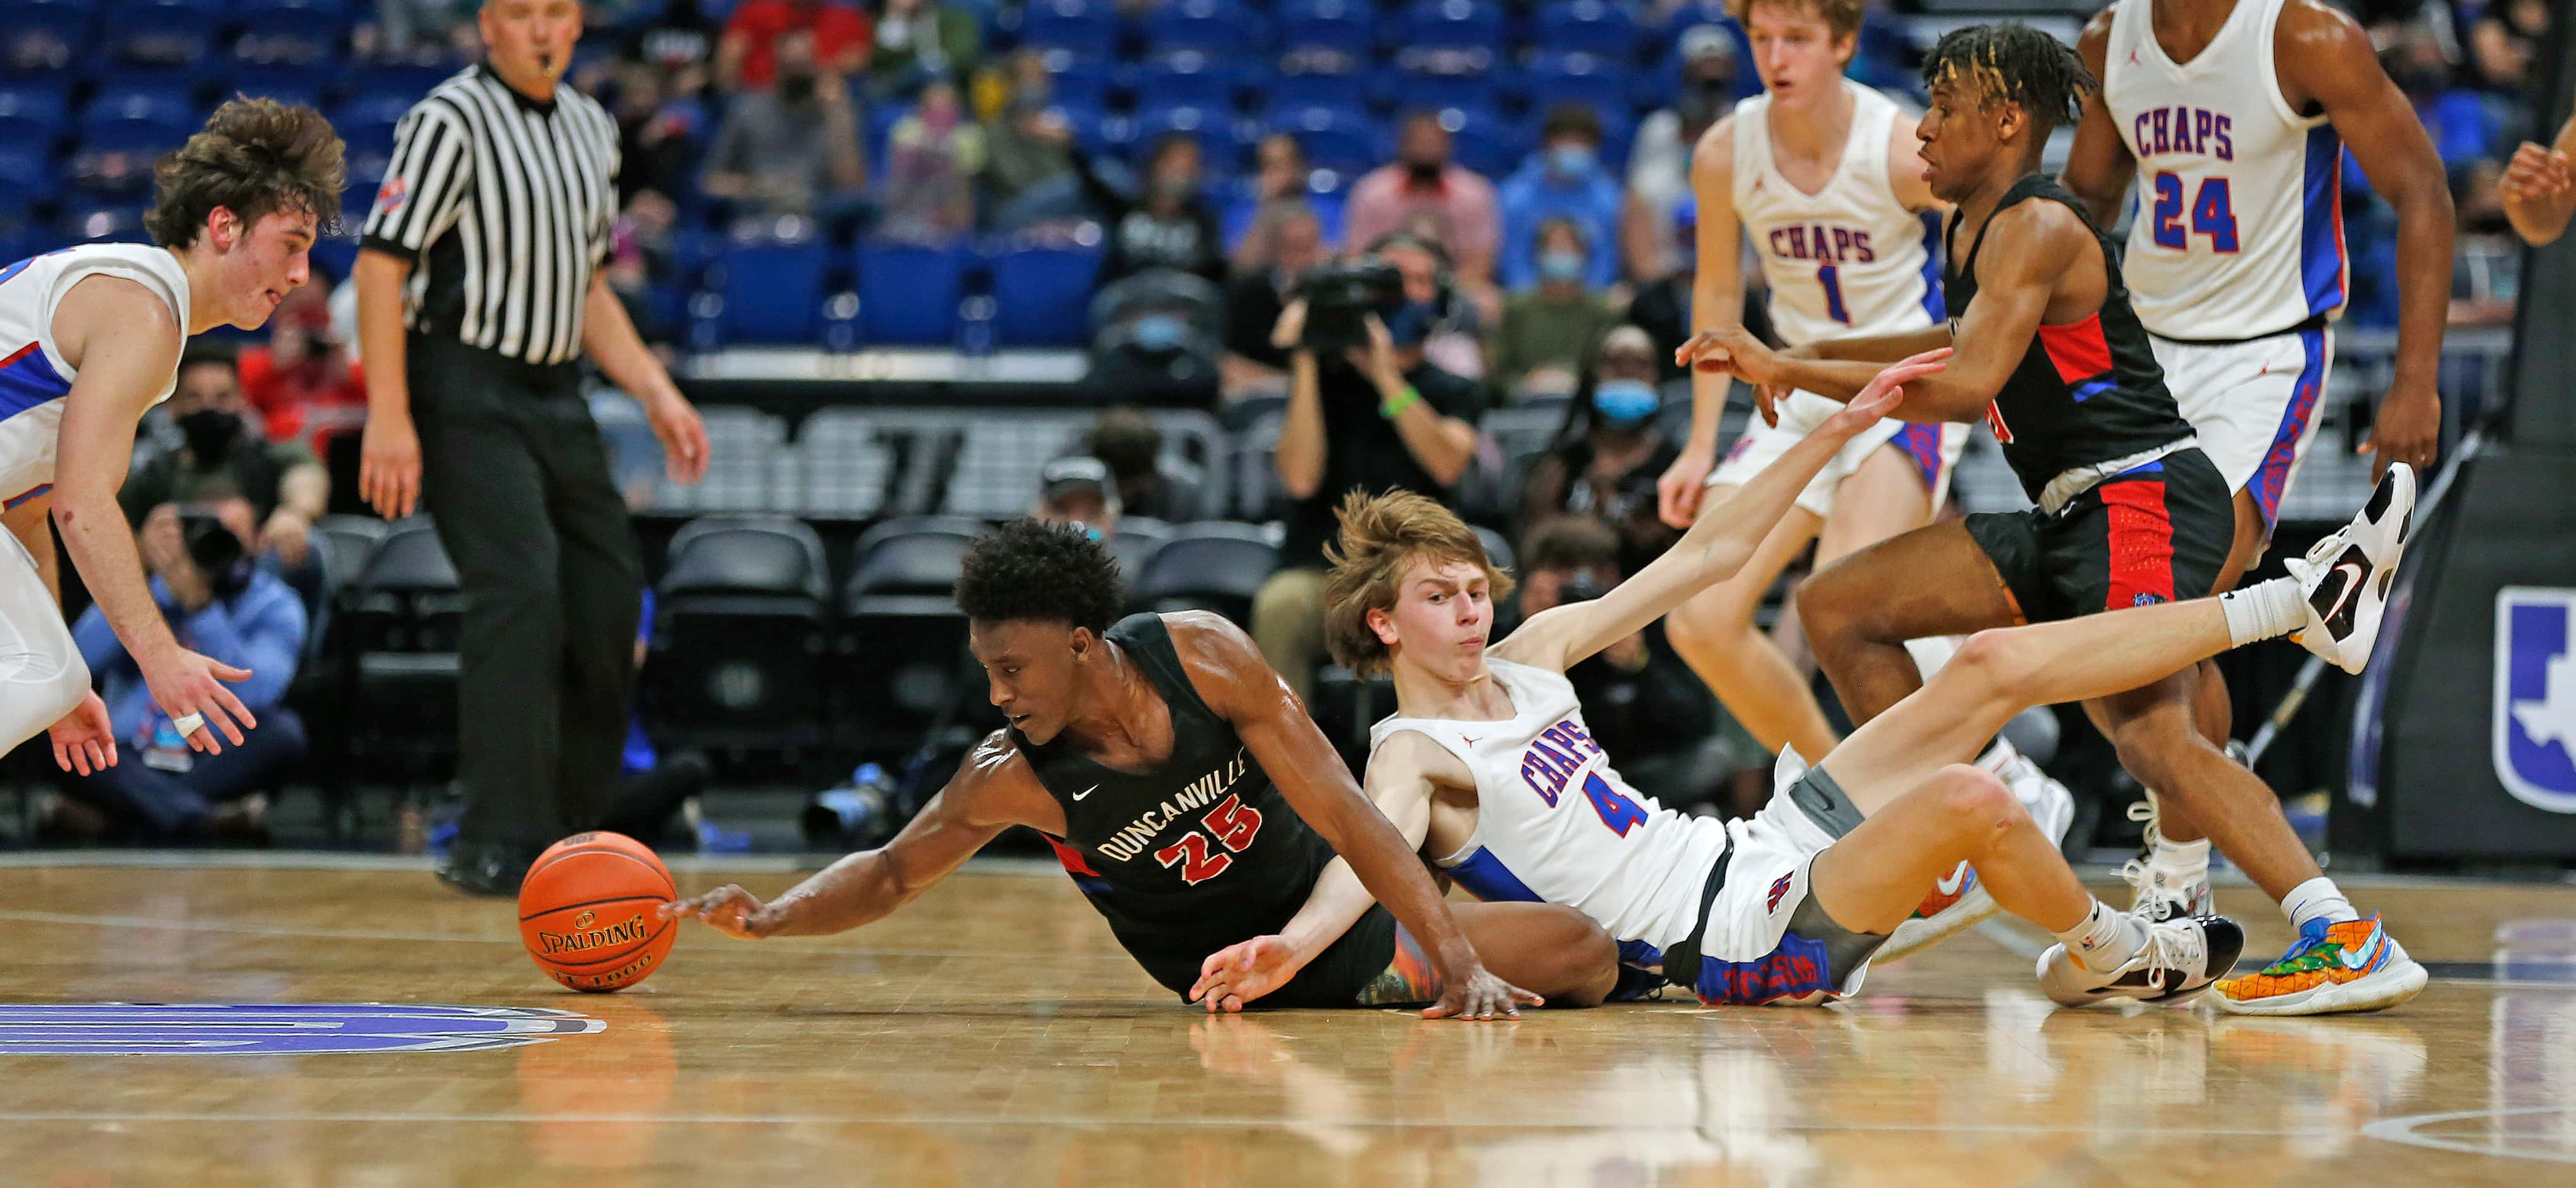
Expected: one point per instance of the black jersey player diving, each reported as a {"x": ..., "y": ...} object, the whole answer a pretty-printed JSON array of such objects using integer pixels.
[{"x": 1191, "y": 799}]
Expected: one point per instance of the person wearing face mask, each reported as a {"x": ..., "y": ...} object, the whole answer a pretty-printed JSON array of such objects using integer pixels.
[
  {"x": 1422, "y": 192},
  {"x": 223, "y": 455},
  {"x": 1256, "y": 297},
  {"x": 1546, "y": 329},
  {"x": 1169, "y": 224},
  {"x": 792, "y": 149},
  {"x": 1609, "y": 452},
  {"x": 1563, "y": 179}
]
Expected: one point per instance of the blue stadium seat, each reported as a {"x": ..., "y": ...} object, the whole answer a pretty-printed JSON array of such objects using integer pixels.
[
  {"x": 1043, "y": 294},
  {"x": 1588, "y": 27},
  {"x": 331, "y": 15},
  {"x": 406, "y": 81},
  {"x": 1215, "y": 26},
  {"x": 1086, "y": 27},
  {"x": 1554, "y": 78},
  {"x": 286, "y": 37},
  {"x": 175, "y": 35},
  {"x": 908, "y": 294},
  {"x": 26, "y": 178},
  {"x": 1191, "y": 78},
  {"x": 286, "y": 86},
  {"x": 370, "y": 120},
  {"x": 1413, "y": 91},
  {"x": 1482, "y": 140},
  {"x": 39, "y": 101},
  {"x": 32, "y": 118},
  {"x": 131, "y": 110},
  {"x": 1336, "y": 139},
  {"x": 1076, "y": 80},
  {"x": 48, "y": 40},
  {"x": 1214, "y": 128},
  {"x": 1288, "y": 92},
  {"x": 1347, "y": 26},
  {"x": 1465, "y": 25},
  {"x": 772, "y": 290},
  {"x": 104, "y": 223}
]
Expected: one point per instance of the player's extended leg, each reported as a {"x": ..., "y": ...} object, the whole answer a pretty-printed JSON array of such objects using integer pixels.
[
  {"x": 1714, "y": 633},
  {"x": 2213, "y": 710},
  {"x": 1860, "y": 611},
  {"x": 1550, "y": 950}
]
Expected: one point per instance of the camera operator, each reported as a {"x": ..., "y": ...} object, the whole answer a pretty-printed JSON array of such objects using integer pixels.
[
  {"x": 1365, "y": 413},
  {"x": 218, "y": 601}
]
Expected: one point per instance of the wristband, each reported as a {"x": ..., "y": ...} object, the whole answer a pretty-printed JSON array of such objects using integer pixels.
[{"x": 1396, "y": 405}]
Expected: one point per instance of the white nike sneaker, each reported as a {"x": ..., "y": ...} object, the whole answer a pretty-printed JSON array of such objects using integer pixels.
[
  {"x": 2048, "y": 802},
  {"x": 2180, "y": 959},
  {"x": 2347, "y": 576},
  {"x": 2155, "y": 892},
  {"x": 1958, "y": 901}
]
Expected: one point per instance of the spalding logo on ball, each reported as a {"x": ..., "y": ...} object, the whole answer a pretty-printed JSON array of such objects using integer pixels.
[{"x": 587, "y": 912}]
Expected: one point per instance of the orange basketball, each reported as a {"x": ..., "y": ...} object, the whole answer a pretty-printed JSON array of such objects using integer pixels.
[{"x": 586, "y": 912}]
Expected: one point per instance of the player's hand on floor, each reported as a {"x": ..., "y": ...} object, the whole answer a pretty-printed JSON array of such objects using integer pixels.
[
  {"x": 728, "y": 909},
  {"x": 1237, "y": 974},
  {"x": 1480, "y": 995},
  {"x": 84, "y": 741}
]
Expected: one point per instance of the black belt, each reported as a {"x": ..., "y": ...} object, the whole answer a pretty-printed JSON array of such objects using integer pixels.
[
  {"x": 2314, "y": 322},
  {"x": 1684, "y": 954}
]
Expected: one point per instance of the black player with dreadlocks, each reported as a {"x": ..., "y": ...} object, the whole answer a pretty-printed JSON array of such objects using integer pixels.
[
  {"x": 2049, "y": 355},
  {"x": 1190, "y": 798}
]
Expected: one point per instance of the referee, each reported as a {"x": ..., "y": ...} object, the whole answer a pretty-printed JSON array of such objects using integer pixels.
[{"x": 478, "y": 288}]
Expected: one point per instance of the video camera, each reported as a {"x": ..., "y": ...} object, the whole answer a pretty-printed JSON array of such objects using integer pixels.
[
  {"x": 1339, "y": 298},
  {"x": 214, "y": 550}
]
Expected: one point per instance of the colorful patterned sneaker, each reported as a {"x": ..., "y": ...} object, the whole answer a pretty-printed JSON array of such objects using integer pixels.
[
  {"x": 2351, "y": 966},
  {"x": 1959, "y": 900}
]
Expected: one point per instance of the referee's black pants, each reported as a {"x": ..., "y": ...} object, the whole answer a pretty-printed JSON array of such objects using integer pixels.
[{"x": 513, "y": 470}]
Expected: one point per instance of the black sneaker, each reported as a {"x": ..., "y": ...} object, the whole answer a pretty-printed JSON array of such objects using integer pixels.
[{"x": 484, "y": 868}]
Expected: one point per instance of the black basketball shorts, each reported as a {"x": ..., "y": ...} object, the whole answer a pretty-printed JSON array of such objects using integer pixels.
[{"x": 2158, "y": 533}]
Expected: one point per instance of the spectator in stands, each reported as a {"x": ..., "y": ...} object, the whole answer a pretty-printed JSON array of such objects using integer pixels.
[
  {"x": 282, "y": 485},
  {"x": 1256, "y": 297},
  {"x": 1609, "y": 453},
  {"x": 1548, "y": 328},
  {"x": 1077, "y": 489},
  {"x": 1131, "y": 445},
  {"x": 659, "y": 126},
  {"x": 792, "y": 149},
  {"x": 930, "y": 182},
  {"x": 747, "y": 55},
  {"x": 1031, "y": 178},
  {"x": 1640, "y": 701},
  {"x": 1563, "y": 179},
  {"x": 918, "y": 40},
  {"x": 1366, "y": 419},
  {"x": 1424, "y": 194},
  {"x": 1283, "y": 180},
  {"x": 1170, "y": 224},
  {"x": 1662, "y": 307},
  {"x": 1659, "y": 161},
  {"x": 303, "y": 381},
  {"x": 221, "y": 603}
]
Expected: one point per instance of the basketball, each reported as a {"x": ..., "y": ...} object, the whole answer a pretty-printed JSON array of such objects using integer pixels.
[{"x": 586, "y": 912}]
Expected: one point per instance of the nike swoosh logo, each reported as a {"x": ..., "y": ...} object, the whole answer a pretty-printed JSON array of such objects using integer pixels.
[
  {"x": 2354, "y": 583},
  {"x": 1086, "y": 792},
  {"x": 1950, "y": 883},
  {"x": 2357, "y": 960}
]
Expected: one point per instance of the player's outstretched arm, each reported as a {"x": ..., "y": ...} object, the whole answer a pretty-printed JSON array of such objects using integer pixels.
[
  {"x": 982, "y": 800},
  {"x": 2327, "y": 55},
  {"x": 1718, "y": 545},
  {"x": 1230, "y": 675},
  {"x": 124, "y": 342},
  {"x": 1717, "y": 299},
  {"x": 2013, "y": 294},
  {"x": 1399, "y": 783},
  {"x": 2099, "y": 167}
]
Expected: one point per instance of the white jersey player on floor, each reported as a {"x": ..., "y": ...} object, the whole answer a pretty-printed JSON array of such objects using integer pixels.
[
  {"x": 2232, "y": 117},
  {"x": 1487, "y": 765},
  {"x": 1820, "y": 175},
  {"x": 89, "y": 340}
]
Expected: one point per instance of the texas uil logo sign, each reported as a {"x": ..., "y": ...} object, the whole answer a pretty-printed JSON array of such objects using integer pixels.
[{"x": 2535, "y": 696}]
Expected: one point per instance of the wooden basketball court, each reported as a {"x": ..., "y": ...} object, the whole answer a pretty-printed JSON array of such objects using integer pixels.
[{"x": 993, "y": 1033}]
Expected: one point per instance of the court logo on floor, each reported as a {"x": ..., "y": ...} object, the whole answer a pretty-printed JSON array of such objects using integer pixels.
[
  {"x": 275, "y": 1029},
  {"x": 2534, "y": 713}
]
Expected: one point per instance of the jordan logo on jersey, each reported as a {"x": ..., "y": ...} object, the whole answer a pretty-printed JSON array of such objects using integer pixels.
[
  {"x": 1553, "y": 757},
  {"x": 1832, "y": 245}
]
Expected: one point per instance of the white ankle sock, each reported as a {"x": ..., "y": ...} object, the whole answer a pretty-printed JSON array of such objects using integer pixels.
[
  {"x": 2317, "y": 899},
  {"x": 2106, "y": 939},
  {"x": 2182, "y": 863},
  {"x": 1931, "y": 652},
  {"x": 2262, "y": 611}
]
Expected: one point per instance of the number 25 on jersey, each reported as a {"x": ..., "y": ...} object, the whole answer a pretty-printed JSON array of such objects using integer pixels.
[{"x": 1233, "y": 824}]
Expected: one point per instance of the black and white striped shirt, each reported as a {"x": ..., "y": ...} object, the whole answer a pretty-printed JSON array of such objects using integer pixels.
[{"x": 504, "y": 205}]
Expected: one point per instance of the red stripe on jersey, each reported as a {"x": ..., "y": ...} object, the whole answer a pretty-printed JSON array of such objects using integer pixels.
[
  {"x": 1070, "y": 857},
  {"x": 2141, "y": 543},
  {"x": 2077, "y": 348},
  {"x": 20, "y": 353}
]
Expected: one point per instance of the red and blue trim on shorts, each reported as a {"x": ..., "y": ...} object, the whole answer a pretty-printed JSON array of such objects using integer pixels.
[
  {"x": 2271, "y": 477},
  {"x": 2141, "y": 538},
  {"x": 1922, "y": 444}
]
